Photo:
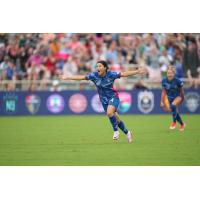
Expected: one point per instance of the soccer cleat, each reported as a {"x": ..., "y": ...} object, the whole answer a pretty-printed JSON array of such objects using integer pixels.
[
  {"x": 172, "y": 126},
  {"x": 129, "y": 137},
  {"x": 116, "y": 135},
  {"x": 182, "y": 127}
]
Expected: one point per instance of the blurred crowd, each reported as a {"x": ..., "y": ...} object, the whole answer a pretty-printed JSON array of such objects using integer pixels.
[{"x": 32, "y": 57}]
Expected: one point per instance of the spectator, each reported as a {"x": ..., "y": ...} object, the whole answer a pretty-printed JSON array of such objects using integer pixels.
[
  {"x": 164, "y": 60},
  {"x": 112, "y": 54},
  {"x": 34, "y": 57},
  {"x": 191, "y": 60},
  {"x": 70, "y": 67},
  {"x": 11, "y": 75},
  {"x": 3, "y": 69},
  {"x": 153, "y": 64},
  {"x": 197, "y": 80},
  {"x": 178, "y": 61}
]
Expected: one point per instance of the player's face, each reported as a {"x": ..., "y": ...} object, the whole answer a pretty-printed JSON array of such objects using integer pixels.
[
  {"x": 170, "y": 74},
  {"x": 101, "y": 69}
]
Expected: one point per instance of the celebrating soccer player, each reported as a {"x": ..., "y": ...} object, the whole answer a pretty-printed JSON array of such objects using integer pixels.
[
  {"x": 172, "y": 93},
  {"x": 104, "y": 79}
]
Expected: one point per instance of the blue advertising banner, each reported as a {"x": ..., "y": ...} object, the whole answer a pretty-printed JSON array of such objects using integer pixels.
[{"x": 87, "y": 102}]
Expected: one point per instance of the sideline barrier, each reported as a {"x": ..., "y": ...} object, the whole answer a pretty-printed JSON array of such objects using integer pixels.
[{"x": 87, "y": 102}]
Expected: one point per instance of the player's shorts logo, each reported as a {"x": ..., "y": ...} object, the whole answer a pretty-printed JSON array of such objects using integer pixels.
[
  {"x": 78, "y": 103},
  {"x": 146, "y": 101},
  {"x": 96, "y": 104},
  {"x": 192, "y": 101},
  {"x": 55, "y": 103},
  {"x": 33, "y": 103},
  {"x": 125, "y": 101},
  {"x": 10, "y": 105}
]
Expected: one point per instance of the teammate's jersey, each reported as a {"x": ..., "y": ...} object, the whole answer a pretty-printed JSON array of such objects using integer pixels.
[
  {"x": 105, "y": 85},
  {"x": 172, "y": 87}
]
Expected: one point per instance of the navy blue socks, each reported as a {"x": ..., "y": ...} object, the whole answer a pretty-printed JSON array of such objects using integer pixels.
[
  {"x": 113, "y": 121},
  {"x": 178, "y": 118},
  {"x": 174, "y": 112},
  {"x": 121, "y": 125}
]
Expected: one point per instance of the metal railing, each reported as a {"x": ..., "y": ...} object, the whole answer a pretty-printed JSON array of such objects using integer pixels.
[{"x": 40, "y": 85}]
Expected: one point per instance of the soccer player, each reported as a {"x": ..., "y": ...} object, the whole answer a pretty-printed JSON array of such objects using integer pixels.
[
  {"x": 172, "y": 88},
  {"x": 104, "y": 79}
]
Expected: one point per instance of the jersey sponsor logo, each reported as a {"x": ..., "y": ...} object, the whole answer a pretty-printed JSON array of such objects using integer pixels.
[
  {"x": 146, "y": 101},
  {"x": 78, "y": 103},
  {"x": 107, "y": 85},
  {"x": 192, "y": 101},
  {"x": 55, "y": 103},
  {"x": 125, "y": 102},
  {"x": 10, "y": 103},
  {"x": 167, "y": 86},
  {"x": 104, "y": 83},
  {"x": 171, "y": 87},
  {"x": 33, "y": 103},
  {"x": 96, "y": 104},
  {"x": 98, "y": 83}
]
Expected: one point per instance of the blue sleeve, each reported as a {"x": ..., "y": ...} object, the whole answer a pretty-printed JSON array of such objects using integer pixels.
[
  {"x": 90, "y": 76},
  {"x": 115, "y": 75},
  {"x": 180, "y": 83}
]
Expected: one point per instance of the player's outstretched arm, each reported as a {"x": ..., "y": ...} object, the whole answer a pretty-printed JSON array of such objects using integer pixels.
[
  {"x": 76, "y": 78},
  {"x": 138, "y": 71}
]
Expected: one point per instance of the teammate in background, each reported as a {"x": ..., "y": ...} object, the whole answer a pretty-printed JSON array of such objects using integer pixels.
[
  {"x": 172, "y": 91},
  {"x": 104, "y": 79}
]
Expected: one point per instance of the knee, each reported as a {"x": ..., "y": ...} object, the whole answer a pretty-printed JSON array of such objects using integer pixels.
[{"x": 110, "y": 114}]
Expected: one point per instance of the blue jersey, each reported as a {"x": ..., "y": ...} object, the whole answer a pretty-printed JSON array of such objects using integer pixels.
[
  {"x": 172, "y": 87},
  {"x": 105, "y": 85}
]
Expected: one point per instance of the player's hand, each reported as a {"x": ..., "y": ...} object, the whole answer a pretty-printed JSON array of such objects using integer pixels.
[{"x": 164, "y": 108}]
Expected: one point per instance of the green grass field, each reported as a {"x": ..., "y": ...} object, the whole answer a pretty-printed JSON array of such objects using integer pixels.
[{"x": 87, "y": 141}]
